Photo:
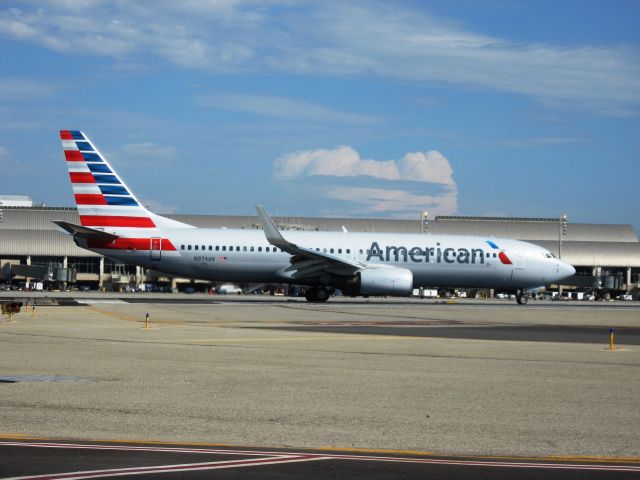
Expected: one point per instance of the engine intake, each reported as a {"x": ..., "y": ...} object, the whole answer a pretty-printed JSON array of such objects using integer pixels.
[{"x": 397, "y": 282}]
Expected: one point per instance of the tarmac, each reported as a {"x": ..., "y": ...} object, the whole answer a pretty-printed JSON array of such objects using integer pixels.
[{"x": 427, "y": 378}]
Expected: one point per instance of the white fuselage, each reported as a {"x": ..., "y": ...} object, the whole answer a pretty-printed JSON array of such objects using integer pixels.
[{"x": 245, "y": 256}]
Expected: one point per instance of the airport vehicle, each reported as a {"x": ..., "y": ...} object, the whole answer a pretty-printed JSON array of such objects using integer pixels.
[{"x": 114, "y": 223}]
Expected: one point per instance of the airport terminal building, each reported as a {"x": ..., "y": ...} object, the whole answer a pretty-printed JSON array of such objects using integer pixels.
[{"x": 605, "y": 256}]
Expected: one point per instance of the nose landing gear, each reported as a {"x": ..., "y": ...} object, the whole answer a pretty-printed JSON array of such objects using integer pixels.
[{"x": 521, "y": 297}]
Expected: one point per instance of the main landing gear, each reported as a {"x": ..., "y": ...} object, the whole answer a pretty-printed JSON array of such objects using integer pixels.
[
  {"x": 521, "y": 297},
  {"x": 317, "y": 294}
]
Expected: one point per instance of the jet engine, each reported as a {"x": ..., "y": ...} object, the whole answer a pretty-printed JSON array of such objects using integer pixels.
[{"x": 397, "y": 282}]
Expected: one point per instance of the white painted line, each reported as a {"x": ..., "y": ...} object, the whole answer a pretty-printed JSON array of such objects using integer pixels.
[
  {"x": 284, "y": 456},
  {"x": 187, "y": 467},
  {"x": 89, "y": 301},
  {"x": 150, "y": 448}
]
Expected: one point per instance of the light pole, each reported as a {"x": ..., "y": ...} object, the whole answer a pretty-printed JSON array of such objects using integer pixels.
[
  {"x": 562, "y": 232},
  {"x": 424, "y": 221}
]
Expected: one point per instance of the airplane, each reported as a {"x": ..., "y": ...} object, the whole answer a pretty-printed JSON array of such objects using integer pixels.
[{"x": 114, "y": 223}]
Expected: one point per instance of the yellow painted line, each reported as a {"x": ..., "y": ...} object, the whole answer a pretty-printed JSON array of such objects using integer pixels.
[
  {"x": 19, "y": 436},
  {"x": 115, "y": 315},
  {"x": 128, "y": 318},
  {"x": 379, "y": 451}
]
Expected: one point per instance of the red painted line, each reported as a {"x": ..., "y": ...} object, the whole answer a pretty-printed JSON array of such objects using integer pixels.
[
  {"x": 82, "y": 177},
  {"x": 187, "y": 467},
  {"x": 116, "y": 221},
  {"x": 90, "y": 199},
  {"x": 65, "y": 135},
  {"x": 73, "y": 156},
  {"x": 479, "y": 463}
]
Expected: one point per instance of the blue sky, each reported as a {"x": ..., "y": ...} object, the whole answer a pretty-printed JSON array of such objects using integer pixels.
[{"x": 328, "y": 108}]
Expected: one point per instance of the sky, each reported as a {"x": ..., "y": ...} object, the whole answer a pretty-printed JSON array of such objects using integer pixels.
[{"x": 332, "y": 108}]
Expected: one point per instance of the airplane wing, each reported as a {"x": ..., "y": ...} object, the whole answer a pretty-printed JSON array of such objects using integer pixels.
[{"x": 305, "y": 262}]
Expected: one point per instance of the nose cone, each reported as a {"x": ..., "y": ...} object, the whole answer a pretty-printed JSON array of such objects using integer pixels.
[{"x": 565, "y": 270}]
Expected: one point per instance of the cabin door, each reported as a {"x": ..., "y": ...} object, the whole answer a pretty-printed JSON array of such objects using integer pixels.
[{"x": 156, "y": 248}]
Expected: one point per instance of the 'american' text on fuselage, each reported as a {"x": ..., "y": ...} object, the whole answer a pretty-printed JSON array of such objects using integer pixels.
[{"x": 435, "y": 254}]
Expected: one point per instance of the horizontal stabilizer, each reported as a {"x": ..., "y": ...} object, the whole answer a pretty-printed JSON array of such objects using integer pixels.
[{"x": 85, "y": 232}]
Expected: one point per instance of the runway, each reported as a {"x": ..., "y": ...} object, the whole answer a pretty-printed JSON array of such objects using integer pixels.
[
  {"x": 64, "y": 460},
  {"x": 467, "y": 382}
]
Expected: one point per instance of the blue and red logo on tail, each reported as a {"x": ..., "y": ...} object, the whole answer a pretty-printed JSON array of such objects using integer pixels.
[{"x": 103, "y": 199}]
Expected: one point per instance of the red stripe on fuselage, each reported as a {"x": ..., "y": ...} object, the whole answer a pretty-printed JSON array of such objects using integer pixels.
[
  {"x": 66, "y": 135},
  {"x": 73, "y": 156},
  {"x": 504, "y": 259},
  {"x": 90, "y": 199},
  {"x": 131, "y": 244},
  {"x": 116, "y": 221},
  {"x": 82, "y": 177}
]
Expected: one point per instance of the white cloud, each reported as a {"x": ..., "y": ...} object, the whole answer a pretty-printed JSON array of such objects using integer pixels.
[
  {"x": 344, "y": 161},
  {"x": 394, "y": 203},
  {"x": 157, "y": 207},
  {"x": 147, "y": 154},
  {"x": 280, "y": 107},
  {"x": 24, "y": 88},
  {"x": 384, "y": 39},
  {"x": 10, "y": 167},
  {"x": 422, "y": 167}
]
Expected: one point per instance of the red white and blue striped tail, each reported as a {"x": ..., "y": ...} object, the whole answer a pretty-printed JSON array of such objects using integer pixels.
[{"x": 104, "y": 201}]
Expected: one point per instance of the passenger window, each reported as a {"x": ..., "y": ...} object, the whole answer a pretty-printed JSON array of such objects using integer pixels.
[
  {"x": 331, "y": 250},
  {"x": 348, "y": 250},
  {"x": 217, "y": 248},
  {"x": 231, "y": 249},
  {"x": 259, "y": 249},
  {"x": 244, "y": 249},
  {"x": 181, "y": 247},
  {"x": 251, "y": 249},
  {"x": 204, "y": 247},
  {"x": 237, "y": 249},
  {"x": 339, "y": 250},
  {"x": 360, "y": 251},
  {"x": 188, "y": 247},
  {"x": 224, "y": 248},
  {"x": 210, "y": 248},
  {"x": 196, "y": 247}
]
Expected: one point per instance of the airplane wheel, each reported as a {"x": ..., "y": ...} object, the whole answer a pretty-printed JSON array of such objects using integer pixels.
[
  {"x": 522, "y": 298},
  {"x": 317, "y": 295},
  {"x": 323, "y": 295}
]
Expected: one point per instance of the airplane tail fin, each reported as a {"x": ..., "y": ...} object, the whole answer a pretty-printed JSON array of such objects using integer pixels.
[{"x": 104, "y": 201}]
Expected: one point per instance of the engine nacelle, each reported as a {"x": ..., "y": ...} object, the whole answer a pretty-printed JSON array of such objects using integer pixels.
[{"x": 397, "y": 282}]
